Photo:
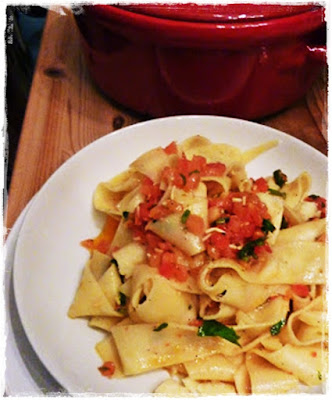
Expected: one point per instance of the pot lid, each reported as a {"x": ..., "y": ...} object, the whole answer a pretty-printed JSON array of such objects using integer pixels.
[{"x": 217, "y": 12}]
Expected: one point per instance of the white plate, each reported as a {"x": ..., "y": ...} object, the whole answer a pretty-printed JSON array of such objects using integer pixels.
[
  {"x": 25, "y": 374},
  {"x": 49, "y": 260}
]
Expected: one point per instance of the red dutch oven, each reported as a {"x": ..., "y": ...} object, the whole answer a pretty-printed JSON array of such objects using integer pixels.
[{"x": 238, "y": 60}]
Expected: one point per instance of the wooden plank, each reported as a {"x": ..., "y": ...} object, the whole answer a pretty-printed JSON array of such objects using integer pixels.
[{"x": 65, "y": 112}]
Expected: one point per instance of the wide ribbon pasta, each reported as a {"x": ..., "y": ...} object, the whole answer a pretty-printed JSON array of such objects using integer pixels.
[{"x": 215, "y": 276}]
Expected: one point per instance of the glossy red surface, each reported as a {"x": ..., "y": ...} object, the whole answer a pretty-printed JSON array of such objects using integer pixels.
[
  {"x": 161, "y": 67},
  {"x": 216, "y": 12}
]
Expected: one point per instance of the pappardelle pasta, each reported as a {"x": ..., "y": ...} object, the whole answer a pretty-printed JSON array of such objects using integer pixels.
[{"x": 215, "y": 276}]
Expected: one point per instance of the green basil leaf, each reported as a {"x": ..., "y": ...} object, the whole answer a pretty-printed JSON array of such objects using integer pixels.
[
  {"x": 122, "y": 298},
  {"x": 267, "y": 226},
  {"x": 222, "y": 220},
  {"x": 185, "y": 216},
  {"x": 277, "y": 193},
  {"x": 279, "y": 178},
  {"x": 125, "y": 214},
  {"x": 184, "y": 179},
  {"x": 284, "y": 223},
  {"x": 161, "y": 326},
  {"x": 248, "y": 250},
  {"x": 275, "y": 329},
  {"x": 313, "y": 197},
  {"x": 215, "y": 328}
]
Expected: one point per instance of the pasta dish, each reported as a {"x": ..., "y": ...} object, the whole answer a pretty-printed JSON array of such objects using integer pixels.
[{"x": 215, "y": 276}]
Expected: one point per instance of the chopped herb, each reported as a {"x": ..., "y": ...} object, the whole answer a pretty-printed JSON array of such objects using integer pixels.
[
  {"x": 113, "y": 261},
  {"x": 122, "y": 310},
  {"x": 279, "y": 178},
  {"x": 320, "y": 377},
  {"x": 277, "y": 193},
  {"x": 248, "y": 250},
  {"x": 313, "y": 197},
  {"x": 184, "y": 179},
  {"x": 275, "y": 329},
  {"x": 185, "y": 216},
  {"x": 284, "y": 223},
  {"x": 122, "y": 298},
  {"x": 195, "y": 171},
  {"x": 125, "y": 215},
  {"x": 161, "y": 326},
  {"x": 222, "y": 220},
  {"x": 215, "y": 328},
  {"x": 267, "y": 226}
]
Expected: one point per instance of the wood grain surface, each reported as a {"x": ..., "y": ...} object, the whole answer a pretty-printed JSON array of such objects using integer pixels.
[{"x": 66, "y": 111}]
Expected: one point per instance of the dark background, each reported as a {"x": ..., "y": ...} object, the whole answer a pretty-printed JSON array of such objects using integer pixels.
[{"x": 24, "y": 28}]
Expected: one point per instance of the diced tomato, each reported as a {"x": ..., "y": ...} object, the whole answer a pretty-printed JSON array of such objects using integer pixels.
[
  {"x": 320, "y": 203},
  {"x": 158, "y": 212},
  {"x": 218, "y": 246},
  {"x": 197, "y": 163},
  {"x": 142, "y": 214},
  {"x": 260, "y": 185},
  {"x": 103, "y": 241},
  {"x": 107, "y": 369},
  {"x": 88, "y": 244},
  {"x": 300, "y": 290},
  {"x": 265, "y": 248},
  {"x": 154, "y": 260},
  {"x": 214, "y": 169},
  {"x": 152, "y": 240},
  {"x": 151, "y": 191},
  {"x": 196, "y": 322},
  {"x": 171, "y": 148},
  {"x": 192, "y": 181},
  {"x": 170, "y": 269},
  {"x": 186, "y": 174},
  {"x": 195, "y": 224}
]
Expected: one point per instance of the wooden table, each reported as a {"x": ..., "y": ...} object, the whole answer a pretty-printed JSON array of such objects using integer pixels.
[{"x": 65, "y": 112}]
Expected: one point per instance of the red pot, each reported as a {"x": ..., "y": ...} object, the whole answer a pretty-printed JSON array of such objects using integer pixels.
[{"x": 240, "y": 60}]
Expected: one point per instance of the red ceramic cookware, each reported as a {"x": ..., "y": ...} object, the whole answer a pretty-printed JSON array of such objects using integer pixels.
[{"x": 239, "y": 60}]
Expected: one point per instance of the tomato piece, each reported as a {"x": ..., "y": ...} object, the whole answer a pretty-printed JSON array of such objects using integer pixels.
[
  {"x": 320, "y": 203},
  {"x": 197, "y": 163},
  {"x": 170, "y": 269},
  {"x": 158, "y": 212},
  {"x": 192, "y": 181},
  {"x": 186, "y": 174},
  {"x": 265, "y": 248},
  {"x": 260, "y": 185},
  {"x": 103, "y": 241},
  {"x": 180, "y": 273},
  {"x": 300, "y": 290},
  {"x": 142, "y": 214},
  {"x": 218, "y": 246},
  {"x": 172, "y": 148},
  {"x": 150, "y": 190},
  {"x": 195, "y": 224},
  {"x": 107, "y": 369},
  {"x": 214, "y": 169},
  {"x": 196, "y": 322}
]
